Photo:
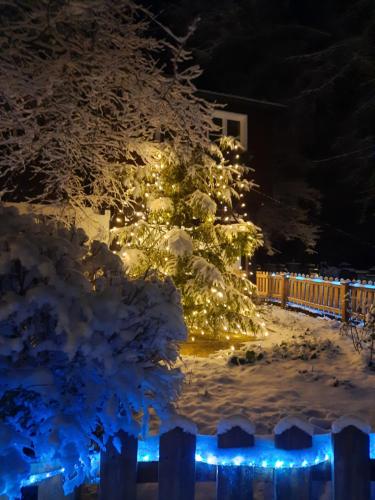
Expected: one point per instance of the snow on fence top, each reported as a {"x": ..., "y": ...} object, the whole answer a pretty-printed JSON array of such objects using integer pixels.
[
  {"x": 362, "y": 284},
  {"x": 243, "y": 423},
  {"x": 349, "y": 420},
  {"x": 183, "y": 423},
  {"x": 289, "y": 422}
]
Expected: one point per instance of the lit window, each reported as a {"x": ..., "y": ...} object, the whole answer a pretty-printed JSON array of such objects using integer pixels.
[{"x": 233, "y": 124}]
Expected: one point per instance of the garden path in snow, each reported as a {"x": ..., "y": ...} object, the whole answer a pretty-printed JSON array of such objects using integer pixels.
[{"x": 304, "y": 367}]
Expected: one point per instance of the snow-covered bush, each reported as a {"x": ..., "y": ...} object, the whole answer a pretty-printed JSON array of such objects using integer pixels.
[{"x": 83, "y": 351}]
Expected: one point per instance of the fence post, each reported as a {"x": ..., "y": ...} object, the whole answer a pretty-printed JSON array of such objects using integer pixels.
[
  {"x": 235, "y": 482},
  {"x": 29, "y": 493},
  {"x": 284, "y": 290},
  {"x": 118, "y": 471},
  {"x": 351, "y": 463},
  {"x": 177, "y": 465},
  {"x": 257, "y": 279},
  {"x": 53, "y": 488},
  {"x": 344, "y": 301},
  {"x": 293, "y": 434},
  {"x": 266, "y": 284}
]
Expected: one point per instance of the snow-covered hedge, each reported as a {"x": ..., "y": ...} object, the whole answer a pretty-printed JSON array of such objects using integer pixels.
[{"x": 81, "y": 355}]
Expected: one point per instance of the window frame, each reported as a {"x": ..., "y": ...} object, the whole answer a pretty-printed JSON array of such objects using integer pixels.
[{"x": 225, "y": 116}]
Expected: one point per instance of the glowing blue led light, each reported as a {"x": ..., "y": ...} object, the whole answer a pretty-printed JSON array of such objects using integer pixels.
[
  {"x": 263, "y": 454},
  {"x": 278, "y": 464},
  {"x": 372, "y": 445},
  {"x": 211, "y": 459},
  {"x": 238, "y": 460},
  {"x": 305, "y": 463}
]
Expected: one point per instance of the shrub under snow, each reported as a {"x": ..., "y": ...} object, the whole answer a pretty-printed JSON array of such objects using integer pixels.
[{"x": 81, "y": 355}]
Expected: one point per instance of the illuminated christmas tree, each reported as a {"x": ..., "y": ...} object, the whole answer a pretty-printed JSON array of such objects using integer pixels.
[{"x": 186, "y": 224}]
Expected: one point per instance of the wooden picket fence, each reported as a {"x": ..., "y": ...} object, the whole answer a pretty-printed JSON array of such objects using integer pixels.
[
  {"x": 325, "y": 296},
  {"x": 349, "y": 468}
]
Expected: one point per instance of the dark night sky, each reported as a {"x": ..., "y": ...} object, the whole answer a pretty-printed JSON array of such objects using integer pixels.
[{"x": 318, "y": 57}]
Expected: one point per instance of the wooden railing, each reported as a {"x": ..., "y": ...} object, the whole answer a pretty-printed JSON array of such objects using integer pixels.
[
  {"x": 296, "y": 462},
  {"x": 325, "y": 296}
]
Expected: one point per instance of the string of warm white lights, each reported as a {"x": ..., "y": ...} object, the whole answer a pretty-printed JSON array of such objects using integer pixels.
[{"x": 191, "y": 200}]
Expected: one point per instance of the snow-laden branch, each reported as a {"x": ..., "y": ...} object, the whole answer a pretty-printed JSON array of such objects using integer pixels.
[{"x": 85, "y": 91}]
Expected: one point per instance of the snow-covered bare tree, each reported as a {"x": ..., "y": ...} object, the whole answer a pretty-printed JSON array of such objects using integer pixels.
[
  {"x": 287, "y": 215},
  {"x": 85, "y": 92},
  {"x": 80, "y": 356}
]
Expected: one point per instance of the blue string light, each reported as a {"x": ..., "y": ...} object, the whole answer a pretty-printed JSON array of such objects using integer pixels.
[
  {"x": 319, "y": 312},
  {"x": 263, "y": 455},
  {"x": 361, "y": 285}
]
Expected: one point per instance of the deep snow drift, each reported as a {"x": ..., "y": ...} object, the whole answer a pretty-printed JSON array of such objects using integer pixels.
[{"x": 304, "y": 367}]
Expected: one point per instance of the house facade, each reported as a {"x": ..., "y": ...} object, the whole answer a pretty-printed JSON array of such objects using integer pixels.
[{"x": 258, "y": 125}]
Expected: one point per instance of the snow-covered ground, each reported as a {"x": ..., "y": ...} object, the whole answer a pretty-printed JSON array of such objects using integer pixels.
[{"x": 303, "y": 367}]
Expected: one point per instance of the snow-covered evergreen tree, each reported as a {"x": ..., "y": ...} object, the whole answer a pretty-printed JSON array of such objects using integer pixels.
[
  {"x": 185, "y": 225},
  {"x": 81, "y": 356}
]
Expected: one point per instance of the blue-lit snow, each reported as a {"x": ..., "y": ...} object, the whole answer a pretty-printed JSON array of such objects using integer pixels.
[
  {"x": 361, "y": 285},
  {"x": 41, "y": 476},
  {"x": 317, "y": 280}
]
